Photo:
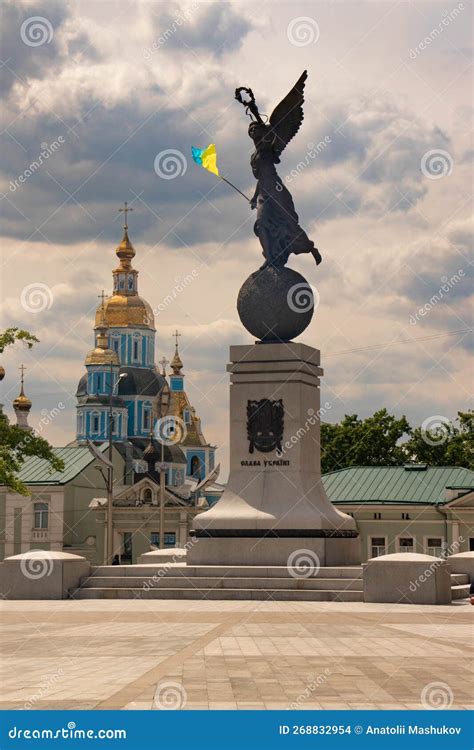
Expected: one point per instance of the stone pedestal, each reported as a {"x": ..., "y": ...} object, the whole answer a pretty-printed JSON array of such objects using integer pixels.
[
  {"x": 42, "y": 574},
  {"x": 275, "y": 504},
  {"x": 407, "y": 578}
]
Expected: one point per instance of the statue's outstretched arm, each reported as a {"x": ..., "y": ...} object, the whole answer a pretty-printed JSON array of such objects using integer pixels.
[{"x": 253, "y": 200}]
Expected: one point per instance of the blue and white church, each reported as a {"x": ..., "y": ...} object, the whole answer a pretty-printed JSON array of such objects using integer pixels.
[{"x": 122, "y": 379}]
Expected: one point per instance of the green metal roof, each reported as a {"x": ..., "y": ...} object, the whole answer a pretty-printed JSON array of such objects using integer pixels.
[
  {"x": 396, "y": 484},
  {"x": 38, "y": 471}
]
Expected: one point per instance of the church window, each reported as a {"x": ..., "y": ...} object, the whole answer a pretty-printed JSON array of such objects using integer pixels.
[
  {"x": 116, "y": 345},
  {"x": 130, "y": 282},
  {"x": 135, "y": 349},
  {"x": 95, "y": 423},
  {"x": 196, "y": 467},
  {"x": 41, "y": 514},
  {"x": 186, "y": 416},
  {"x": 114, "y": 424},
  {"x": 146, "y": 420},
  {"x": 99, "y": 381}
]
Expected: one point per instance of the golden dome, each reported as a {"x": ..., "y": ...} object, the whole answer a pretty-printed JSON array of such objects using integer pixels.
[
  {"x": 99, "y": 356},
  {"x": 125, "y": 250},
  {"x": 22, "y": 402},
  {"x": 176, "y": 363},
  {"x": 125, "y": 307},
  {"x": 102, "y": 355},
  {"x": 122, "y": 310}
]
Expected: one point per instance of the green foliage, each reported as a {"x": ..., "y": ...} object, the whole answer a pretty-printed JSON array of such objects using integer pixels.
[
  {"x": 377, "y": 441},
  {"x": 17, "y": 444},
  {"x": 448, "y": 445},
  {"x": 10, "y": 335},
  {"x": 363, "y": 442}
]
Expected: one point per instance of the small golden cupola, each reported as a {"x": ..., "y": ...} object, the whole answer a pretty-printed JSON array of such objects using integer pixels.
[
  {"x": 101, "y": 354},
  {"x": 125, "y": 307},
  {"x": 176, "y": 363},
  {"x": 22, "y": 404}
]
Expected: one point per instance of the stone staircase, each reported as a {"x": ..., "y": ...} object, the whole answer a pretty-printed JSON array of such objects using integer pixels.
[
  {"x": 460, "y": 584},
  {"x": 212, "y": 582}
]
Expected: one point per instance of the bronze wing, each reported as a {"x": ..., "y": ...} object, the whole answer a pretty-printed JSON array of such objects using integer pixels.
[{"x": 287, "y": 116}]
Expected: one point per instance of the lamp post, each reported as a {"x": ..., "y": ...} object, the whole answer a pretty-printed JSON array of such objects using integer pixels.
[
  {"x": 163, "y": 404},
  {"x": 110, "y": 471}
]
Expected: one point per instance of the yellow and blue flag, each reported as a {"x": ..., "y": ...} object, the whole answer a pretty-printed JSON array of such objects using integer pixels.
[{"x": 206, "y": 157}]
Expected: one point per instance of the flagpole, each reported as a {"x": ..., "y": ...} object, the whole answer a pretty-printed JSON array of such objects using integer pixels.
[{"x": 235, "y": 188}]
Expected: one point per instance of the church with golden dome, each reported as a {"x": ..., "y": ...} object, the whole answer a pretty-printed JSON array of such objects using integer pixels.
[{"x": 121, "y": 376}]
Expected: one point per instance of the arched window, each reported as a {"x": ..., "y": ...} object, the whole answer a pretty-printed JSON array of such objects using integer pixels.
[
  {"x": 147, "y": 496},
  {"x": 196, "y": 467},
  {"x": 41, "y": 513},
  {"x": 146, "y": 419},
  {"x": 95, "y": 422}
]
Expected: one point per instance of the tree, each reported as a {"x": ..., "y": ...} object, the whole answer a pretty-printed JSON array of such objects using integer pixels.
[
  {"x": 17, "y": 444},
  {"x": 363, "y": 442},
  {"x": 10, "y": 335},
  {"x": 446, "y": 444}
]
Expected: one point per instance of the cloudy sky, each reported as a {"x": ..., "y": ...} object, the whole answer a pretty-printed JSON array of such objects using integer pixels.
[{"x": 115, "y": 93}]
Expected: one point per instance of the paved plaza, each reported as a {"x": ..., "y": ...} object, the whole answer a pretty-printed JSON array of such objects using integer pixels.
[{"x": 137, "y": 654}]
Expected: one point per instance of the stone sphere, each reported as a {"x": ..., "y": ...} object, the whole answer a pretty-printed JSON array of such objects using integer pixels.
[{"x": 275, "y": 304}]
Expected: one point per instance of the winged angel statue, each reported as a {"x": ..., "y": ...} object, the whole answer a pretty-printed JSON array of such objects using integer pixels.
[{"x": 277, "y": 225}]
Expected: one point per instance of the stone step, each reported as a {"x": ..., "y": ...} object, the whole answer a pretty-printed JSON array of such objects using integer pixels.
[
  {"x": 173, "y": 582},
  {"x": 218, "y": 571},
  {"x": 458, "y": 579},
  {"x": 219, "y": 594},
  {"x": 460, "y": 592}
]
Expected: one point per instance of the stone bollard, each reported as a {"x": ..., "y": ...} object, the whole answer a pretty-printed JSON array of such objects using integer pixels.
[
  {"x": 407, "y": 578},
  {"x": 462, "y": 562},
  {"x": 41, "y": 574},
  {"x": 160, "y": 556}
]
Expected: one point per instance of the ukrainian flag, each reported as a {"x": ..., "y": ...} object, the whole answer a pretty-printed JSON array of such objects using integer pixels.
[{"x": 207, "y": 158}]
